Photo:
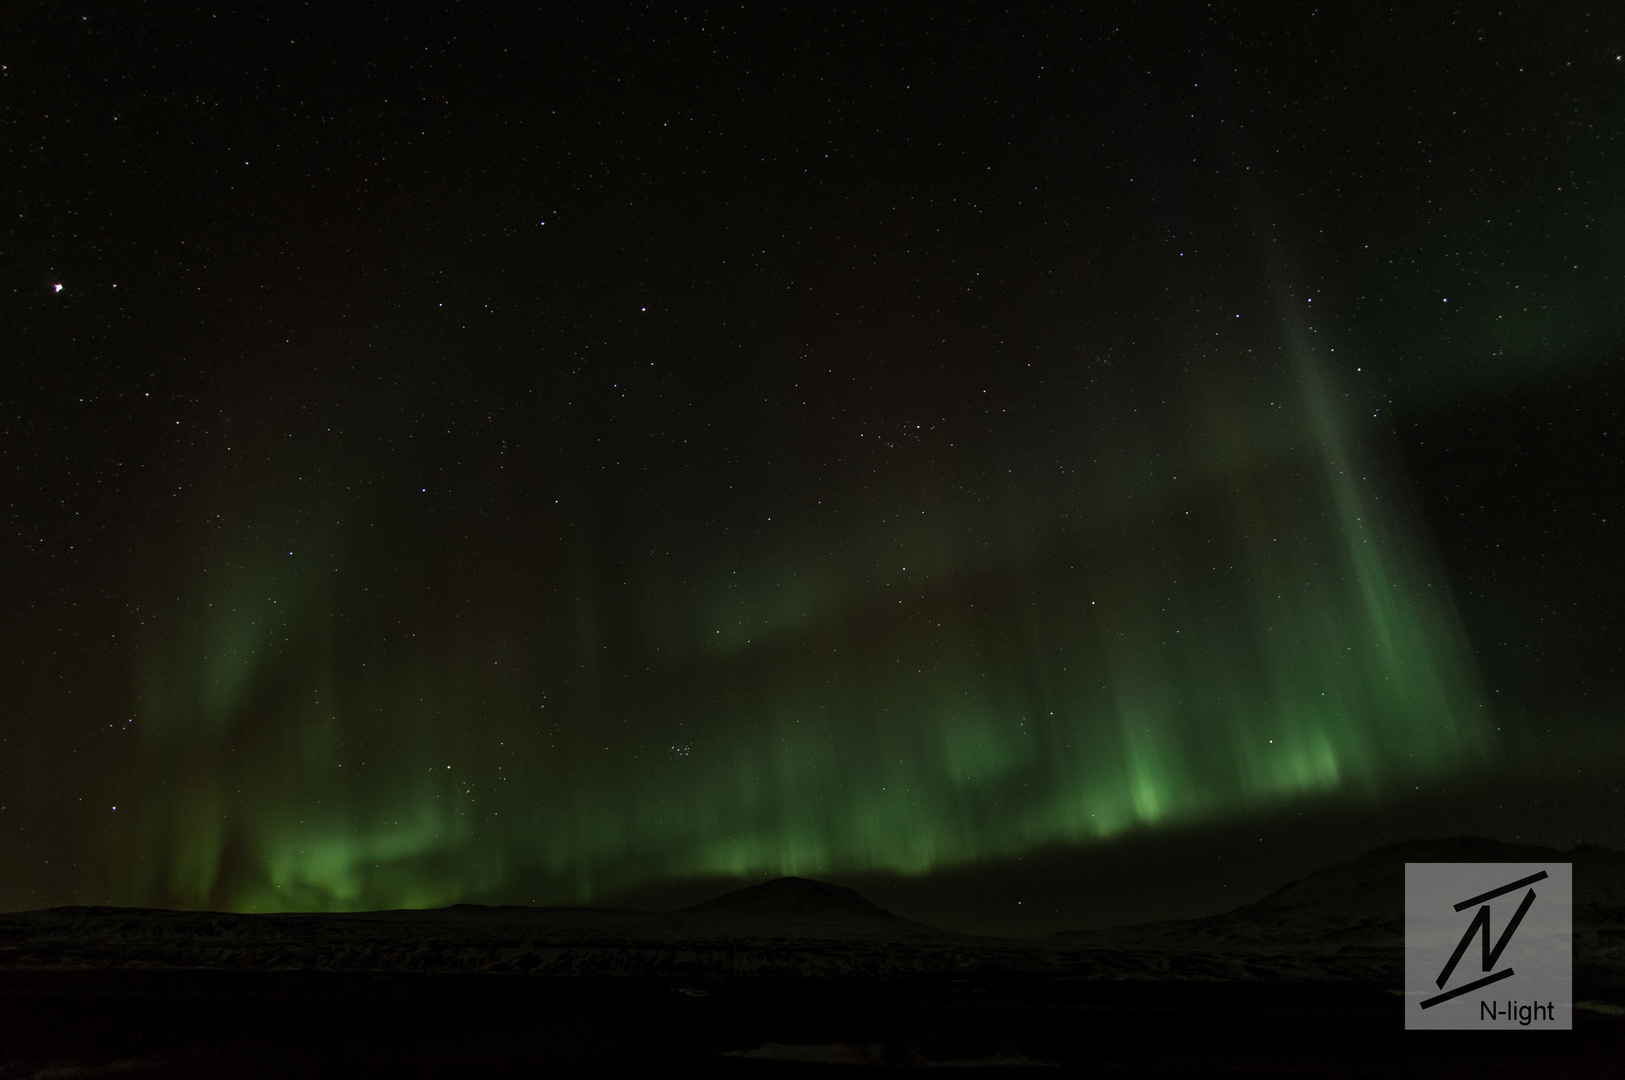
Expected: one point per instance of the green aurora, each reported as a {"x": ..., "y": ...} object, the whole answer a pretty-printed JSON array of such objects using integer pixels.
[
  {"x": 1041, "y": 471},
  {"x": 927, "y": 678}
]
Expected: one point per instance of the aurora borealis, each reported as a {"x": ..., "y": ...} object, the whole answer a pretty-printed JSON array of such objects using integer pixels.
[
  {"x": 463, "y": 474},
  {"x": 1234, "y": 634}
]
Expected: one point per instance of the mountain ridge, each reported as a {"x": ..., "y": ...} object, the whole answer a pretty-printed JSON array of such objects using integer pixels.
[{"x": 1342, "y": 922}]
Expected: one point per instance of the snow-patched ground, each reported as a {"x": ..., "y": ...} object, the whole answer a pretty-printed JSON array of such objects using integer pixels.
[{"x": 1343, "y": 923}]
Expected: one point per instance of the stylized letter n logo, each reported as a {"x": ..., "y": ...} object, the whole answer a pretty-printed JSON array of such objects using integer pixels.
[{"x": 1481, "y": 925}]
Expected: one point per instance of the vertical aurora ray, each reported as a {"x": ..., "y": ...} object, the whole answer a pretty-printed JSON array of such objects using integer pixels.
[{"x": 343, "y": 726}]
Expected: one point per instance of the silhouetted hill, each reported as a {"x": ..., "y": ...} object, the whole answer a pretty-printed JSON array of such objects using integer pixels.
[
  {"x": 1340, "y": 923},
  {"x": 792, "y": 896},
  {"x": 1349, "y": 918},
  {"x": 802, "y": 906},
  {"x": 1376, "y": 880}
]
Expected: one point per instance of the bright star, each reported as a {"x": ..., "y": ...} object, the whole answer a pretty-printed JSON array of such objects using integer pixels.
[{"x": 57, "y": 287}]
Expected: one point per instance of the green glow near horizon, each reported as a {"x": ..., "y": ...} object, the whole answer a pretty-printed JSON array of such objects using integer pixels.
[{"x": 1265, "y": 628}]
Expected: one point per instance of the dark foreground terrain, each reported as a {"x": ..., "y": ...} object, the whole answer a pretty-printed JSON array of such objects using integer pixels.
[
  {"x": 220, "y": 1024},
  {"x": 785, "y": 978}
]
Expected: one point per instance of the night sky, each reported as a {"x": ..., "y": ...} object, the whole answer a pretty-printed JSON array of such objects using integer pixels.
[{"x": 1040, "y": 466}]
